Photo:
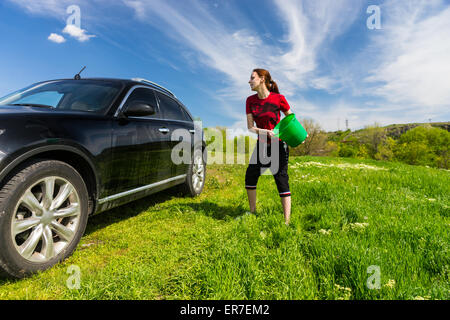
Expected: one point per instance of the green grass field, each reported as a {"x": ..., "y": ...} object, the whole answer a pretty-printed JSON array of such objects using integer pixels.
[{"x": 348, "y": 217}]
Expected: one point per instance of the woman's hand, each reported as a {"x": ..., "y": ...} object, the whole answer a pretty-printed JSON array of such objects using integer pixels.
[{"x": 270, "y": 133}]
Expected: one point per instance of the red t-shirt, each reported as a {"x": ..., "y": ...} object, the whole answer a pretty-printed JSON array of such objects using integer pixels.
[{"x": 266, "y": 112}]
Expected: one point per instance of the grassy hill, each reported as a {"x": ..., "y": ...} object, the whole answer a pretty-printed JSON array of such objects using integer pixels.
[
  {"x": 396, "y": 130},
  {"x": 349, "y": 217},
  {"x": 392, "y": 130}
]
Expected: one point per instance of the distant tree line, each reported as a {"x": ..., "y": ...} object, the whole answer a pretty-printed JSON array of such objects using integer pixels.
[
  {"x": 421, "y": 145},
  {"x": 417, "y": 145}
]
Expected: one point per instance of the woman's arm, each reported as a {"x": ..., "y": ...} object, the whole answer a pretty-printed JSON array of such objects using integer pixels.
[
  {"x": 288, "y": 112},
  {"x": 252, "y": 128}
]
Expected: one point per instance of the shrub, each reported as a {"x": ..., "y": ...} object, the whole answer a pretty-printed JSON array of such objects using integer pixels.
[
  {"x": 373, "y": 137},
  {"x": 363, "y": 152},
  {"x": 424, "y": 145},
  {"x": 386, "y": 150},
  {"x": 348, "y": 150},
  {"x": 316, "y": 142}
]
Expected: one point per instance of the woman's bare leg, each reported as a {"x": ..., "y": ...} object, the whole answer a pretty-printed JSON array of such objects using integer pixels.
[
  {"x": 286, "y": 202},
  {"x": 252, "y": 200}
]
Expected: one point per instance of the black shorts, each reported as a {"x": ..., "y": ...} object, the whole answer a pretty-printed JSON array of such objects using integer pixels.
[{"x": 261, "y": 161}]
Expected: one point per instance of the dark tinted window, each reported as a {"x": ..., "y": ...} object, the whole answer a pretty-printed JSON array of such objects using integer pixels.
[
  {"x": 146, "y": 95},
  {"x": 186, "y": 115},
  {"x": 170, "y": 108},
  {"x": 77, "y": 95}
]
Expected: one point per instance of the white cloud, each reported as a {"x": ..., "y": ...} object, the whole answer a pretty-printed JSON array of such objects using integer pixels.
[
  {"x": 414, "y": 64},
  {"x": 234, "y": 50},
  {"x": 402, "y": 74},
  {"x": 77, "y": 33},
  {"x": 54, "y": 37},
  {"x": 309, "y": 26},
  {"x": 138, "y": 8},
  {"x": 56, "y": 8}
]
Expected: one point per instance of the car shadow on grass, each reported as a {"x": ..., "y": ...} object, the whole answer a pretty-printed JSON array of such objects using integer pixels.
[
  {"x": 129, "y": 210},
  {"x": 115, "y": 215},
  {"x": 132, "y": 209}
]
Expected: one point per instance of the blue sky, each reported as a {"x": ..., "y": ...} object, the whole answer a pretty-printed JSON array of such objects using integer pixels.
[{"x": 326, "y": 61}]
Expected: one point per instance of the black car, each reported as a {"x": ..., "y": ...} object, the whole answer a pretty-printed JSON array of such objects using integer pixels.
[{"x": 75, "y": 147}]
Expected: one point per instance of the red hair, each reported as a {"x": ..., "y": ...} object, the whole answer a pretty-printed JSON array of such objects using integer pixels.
[{"x": 270, "y": 84}]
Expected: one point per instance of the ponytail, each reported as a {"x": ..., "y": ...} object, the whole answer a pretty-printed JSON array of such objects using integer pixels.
[{"x": 273, "y": 87}]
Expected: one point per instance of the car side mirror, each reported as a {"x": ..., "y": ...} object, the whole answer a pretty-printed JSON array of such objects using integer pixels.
[{"x": 139, "y": 109}]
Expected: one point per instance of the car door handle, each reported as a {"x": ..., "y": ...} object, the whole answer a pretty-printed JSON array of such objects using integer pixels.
[{"x": 163, "y": 130}]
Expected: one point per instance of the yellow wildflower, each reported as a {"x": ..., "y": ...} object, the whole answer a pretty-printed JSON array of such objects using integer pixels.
[
  {"x": 325, "y": 232},
  {"x": 390, "y": 284}
]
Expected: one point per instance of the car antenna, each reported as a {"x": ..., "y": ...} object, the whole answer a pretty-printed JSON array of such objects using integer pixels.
[{"x": 77, "y": 76}]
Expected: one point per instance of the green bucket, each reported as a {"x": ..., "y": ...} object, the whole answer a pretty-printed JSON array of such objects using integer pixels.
[{"x": 290, "y": 131}]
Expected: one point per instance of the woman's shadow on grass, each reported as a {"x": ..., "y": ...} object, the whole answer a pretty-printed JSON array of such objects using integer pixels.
[{"x": 215, "y": 211}]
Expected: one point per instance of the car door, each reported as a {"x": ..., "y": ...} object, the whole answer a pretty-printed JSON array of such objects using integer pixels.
[
  {"x": 177, "y": 119},
  {"x": 141, "y": 150}
]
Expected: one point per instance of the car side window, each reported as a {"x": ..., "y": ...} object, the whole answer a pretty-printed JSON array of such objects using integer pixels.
[
  {"x": 170, "y": 108},
  {"x": 187, "y": 117},
  {"x": 146, "y": 95}
]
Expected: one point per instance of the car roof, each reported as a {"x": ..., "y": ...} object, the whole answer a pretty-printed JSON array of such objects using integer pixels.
[{"x": 127, "y": 82}]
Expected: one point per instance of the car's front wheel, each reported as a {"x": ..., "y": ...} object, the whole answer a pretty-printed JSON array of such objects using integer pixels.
[{"x": 43, "y": 214}]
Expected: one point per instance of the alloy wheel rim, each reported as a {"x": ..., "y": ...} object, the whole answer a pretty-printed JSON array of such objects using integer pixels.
[
  {"x": 45, "y": 219},
  {"x": 198, "y": 173}
]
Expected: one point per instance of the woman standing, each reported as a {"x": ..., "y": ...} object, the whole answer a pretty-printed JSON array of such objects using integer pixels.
[{"x": 263, "y": 109}]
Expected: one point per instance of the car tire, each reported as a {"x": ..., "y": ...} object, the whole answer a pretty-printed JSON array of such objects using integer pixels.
[
  {"x": 195, "y": 177},
  {"x": 43, "y": 215}
]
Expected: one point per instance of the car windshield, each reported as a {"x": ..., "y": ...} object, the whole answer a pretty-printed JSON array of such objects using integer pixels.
[{"x": 75, "y": 95}]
